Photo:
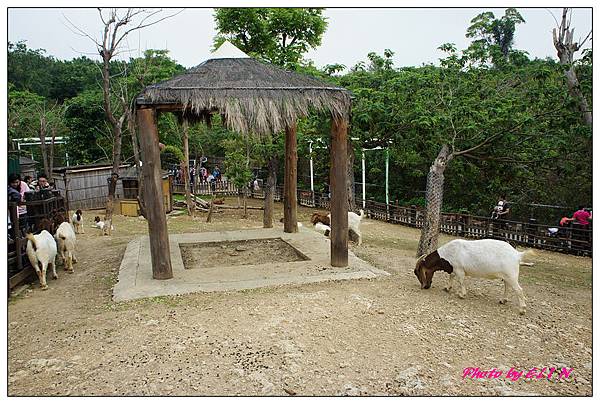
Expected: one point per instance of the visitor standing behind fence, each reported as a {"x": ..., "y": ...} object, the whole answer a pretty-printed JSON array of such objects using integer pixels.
[
  {"x": 502, "y": 209},
  {"x": 16, "y": 186},
  {"x": 217, "y": 173},
  {"x": 43, "y": 183},
  {"x": 28, "y": 181},
  {"x": 192, "y": 176},
  {"x": 581, "y": 227}
]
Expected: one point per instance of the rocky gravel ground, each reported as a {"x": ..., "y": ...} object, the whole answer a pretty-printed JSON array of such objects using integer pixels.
[{"x": 362, "y": 337}]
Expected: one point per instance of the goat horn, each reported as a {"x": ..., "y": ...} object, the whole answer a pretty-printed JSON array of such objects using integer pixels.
[{"x": 421, "y": 257}]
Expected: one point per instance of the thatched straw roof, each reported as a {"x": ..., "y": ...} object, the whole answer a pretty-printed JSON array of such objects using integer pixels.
[{"x": 253, "y": 97}]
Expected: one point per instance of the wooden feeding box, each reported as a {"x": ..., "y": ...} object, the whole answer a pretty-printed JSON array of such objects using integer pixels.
[{"x": 129, "y": 206}]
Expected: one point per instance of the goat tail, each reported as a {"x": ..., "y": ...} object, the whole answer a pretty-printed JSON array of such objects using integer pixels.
[
  {"x": 29, "y": 236},
  {"x": 522, "y": 254}
]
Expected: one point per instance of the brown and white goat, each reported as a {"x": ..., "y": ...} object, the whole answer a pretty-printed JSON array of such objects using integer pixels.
[
  {"x": 77, "y": 221},
  {"x": 353, "y": 224},
  {"x": 488, "y": 259},
  {"x": 320, "y": 218}
]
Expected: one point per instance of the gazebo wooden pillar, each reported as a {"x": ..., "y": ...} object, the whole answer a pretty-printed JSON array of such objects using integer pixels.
[
  {"x": 155, "y": 210},
  {"x": 339, "y": 193},
  {"x": 290, "y": 182}
]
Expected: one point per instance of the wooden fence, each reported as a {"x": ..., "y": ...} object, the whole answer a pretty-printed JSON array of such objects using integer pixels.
[
  {"x": 19, "y": 268},
  {"x": 571, "y": 239}
]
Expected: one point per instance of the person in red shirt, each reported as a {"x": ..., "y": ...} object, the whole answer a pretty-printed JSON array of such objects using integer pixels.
[{"x": 581, "y": 217}]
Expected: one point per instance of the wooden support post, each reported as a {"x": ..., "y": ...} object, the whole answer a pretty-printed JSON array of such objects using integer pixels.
[
  {"x": 290, "y": 222},
  {"x": 153, "y": 196},
  {"x": 339, "y": 197},
  {"x": 269, "y": 191},
  {"x": 17, "y": 236},
  {"x": 186, "y": 167},
  {"x": 67, "y": 180}
]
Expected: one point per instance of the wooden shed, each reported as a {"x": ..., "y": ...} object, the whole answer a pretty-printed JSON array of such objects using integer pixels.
[
  {"x": 27, "y": 167},
  {"x": 86, "y": 186},
  {"x": 128, "y": 205}
]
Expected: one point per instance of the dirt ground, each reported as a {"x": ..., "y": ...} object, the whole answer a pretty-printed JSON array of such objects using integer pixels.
[
  {"x": 383, "y": 336},
  {"x": 232, "y": 253}
]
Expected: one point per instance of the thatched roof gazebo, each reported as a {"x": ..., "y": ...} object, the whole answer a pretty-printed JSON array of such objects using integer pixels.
[{"x": 255, "y": 99}]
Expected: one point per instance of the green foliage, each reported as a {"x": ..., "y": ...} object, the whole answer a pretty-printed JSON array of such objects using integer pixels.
[
  {"x": 89, "y": 140},
  {"x": 31, "y": 70},
  {"x": 237, "y": 160},
  {"x": 22, "y": 106},
  {"x": 417, "y": 110},
  {"x": 493, "y": 37},
  {"x": 278, "y": 35},
  {"x": 169, "y": 156}
]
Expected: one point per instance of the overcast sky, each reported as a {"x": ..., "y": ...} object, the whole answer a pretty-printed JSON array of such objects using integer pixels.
[{"x": 413, "y": 34}]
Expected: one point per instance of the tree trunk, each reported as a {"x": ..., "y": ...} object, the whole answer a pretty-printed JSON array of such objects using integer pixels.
[
  {"x": 575, "y": 90},
  {"x": 566, "y": 48},
  {"x": 136, "y": 158},
  {"x": 434, "y": 194},
  {"x": 112, "y": 186},
  {"x": 350, "y": 177},
  {"x": 116, "y": 126},
  {"x": 270, "y": 187},
  {"x": 186, "y": 168}
]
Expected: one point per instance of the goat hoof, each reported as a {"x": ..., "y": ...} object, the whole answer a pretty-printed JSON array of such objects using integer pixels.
[
  {"x": 44, "y": 287},
  {"x": 522, "y": 311},
  {"x": 70, "y": 271},
  {"x": 447, "y": 289},
  {"x": 503, "y": 301},
  {"x": 462, "y": 296},
  {"x": 54, "y": 276}
]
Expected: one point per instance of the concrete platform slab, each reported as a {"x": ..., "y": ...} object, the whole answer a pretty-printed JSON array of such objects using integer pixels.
[{"x": 135, "y": 274}]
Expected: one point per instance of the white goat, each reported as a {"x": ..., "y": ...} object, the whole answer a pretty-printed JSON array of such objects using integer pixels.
[
  {"x": 490, "y": 259},
  {"x": 65, "y": 239},
  {"x": 41, "y": 251}
]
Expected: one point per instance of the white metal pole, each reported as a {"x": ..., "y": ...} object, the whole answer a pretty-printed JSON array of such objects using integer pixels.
[
  {"x": 387, "y": 175},
  {"x": 364, "y": 185},
  {"x": 387, "y": 183},
  {"x": 312, "y": 181}
]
